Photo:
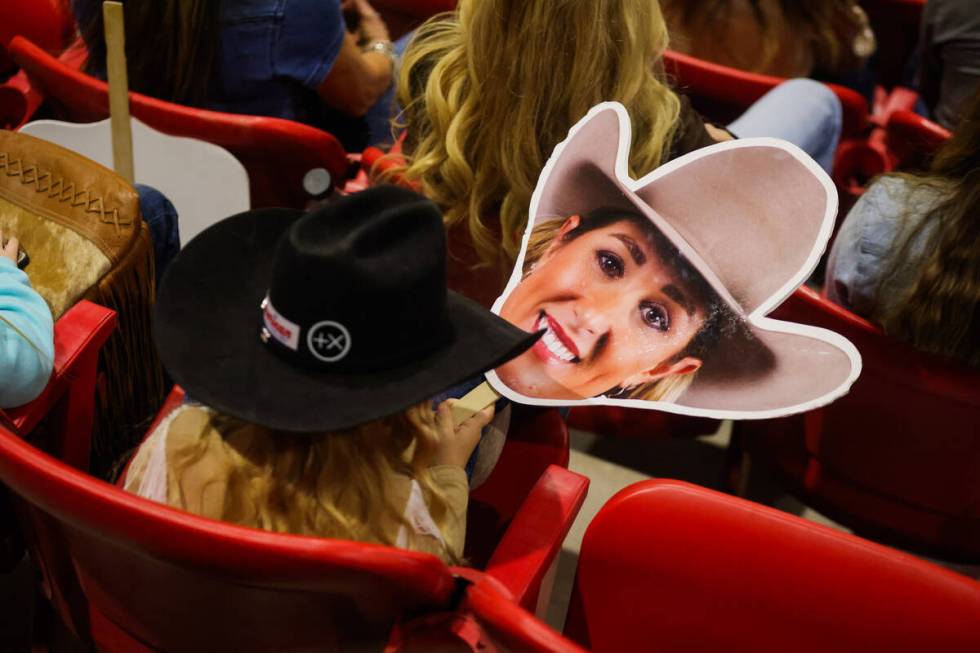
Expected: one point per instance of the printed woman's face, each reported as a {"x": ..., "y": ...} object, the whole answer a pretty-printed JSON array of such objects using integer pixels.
[{"x": 613, "y": 315}]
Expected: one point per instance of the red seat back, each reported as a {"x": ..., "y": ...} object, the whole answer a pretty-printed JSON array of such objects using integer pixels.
[
  {"x": 49, "y": 23},
  {"x": 123, "y": 570},
  {"x": 912, "y": 140},
  {"x": 277, "y": 153},
  {"x": 897, "y": 457},
  {"x": 723, "y": 94},
  {"x": 670, "y": 566}
]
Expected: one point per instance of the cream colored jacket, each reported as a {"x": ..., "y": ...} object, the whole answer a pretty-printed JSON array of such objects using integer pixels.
[{"x": 202, "y": 487}]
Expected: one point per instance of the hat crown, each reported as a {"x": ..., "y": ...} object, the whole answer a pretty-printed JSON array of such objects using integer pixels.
[{"x": 370, "y": 270}]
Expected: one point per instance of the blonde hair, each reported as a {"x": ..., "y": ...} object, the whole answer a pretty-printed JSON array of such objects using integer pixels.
[
  {"x": 490, "y": 90},
  {"x": 330, "y": 484},
  {"x": 669, "y": 388}
]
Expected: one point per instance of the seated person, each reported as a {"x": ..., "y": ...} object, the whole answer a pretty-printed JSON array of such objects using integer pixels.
[
  {"x": 784, "y": 38},
  {"x": 26, "y": 332},
  {"x": 491, "y": 89},
  {"x": 292, "y": 60},
  {"x": 908, "y": 254},
  {"x": 314, "y": 343},
  {"x": 950, "y": 66}
]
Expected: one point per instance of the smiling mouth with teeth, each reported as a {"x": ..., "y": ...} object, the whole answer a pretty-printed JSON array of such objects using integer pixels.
[{"x": 554, "y": 342}]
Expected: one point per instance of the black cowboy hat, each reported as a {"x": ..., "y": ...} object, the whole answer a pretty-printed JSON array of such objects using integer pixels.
[{"x": 323, "y": 321}]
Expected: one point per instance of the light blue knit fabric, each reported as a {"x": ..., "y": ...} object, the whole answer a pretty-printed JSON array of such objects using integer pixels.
[{"x": 25, "y": 366}]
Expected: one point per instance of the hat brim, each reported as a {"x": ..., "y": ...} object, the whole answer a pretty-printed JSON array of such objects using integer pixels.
[{"x": 207, "y": 327}]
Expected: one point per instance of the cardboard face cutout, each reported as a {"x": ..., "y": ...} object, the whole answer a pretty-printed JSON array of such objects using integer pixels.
[{"x": 652, "y": 293}]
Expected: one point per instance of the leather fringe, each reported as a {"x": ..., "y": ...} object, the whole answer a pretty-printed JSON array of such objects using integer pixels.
[{"x": 132, "y": 384}]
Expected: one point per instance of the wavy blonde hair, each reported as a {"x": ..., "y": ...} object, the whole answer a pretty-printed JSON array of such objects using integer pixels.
[
  {"x": 488, "y": 91},
  {"x": 330, "y": 484}
]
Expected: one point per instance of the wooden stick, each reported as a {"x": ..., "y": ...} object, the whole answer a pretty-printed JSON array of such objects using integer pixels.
[
  {"x": 122, "y": 134},
  {"x": 473, "y": 402}
]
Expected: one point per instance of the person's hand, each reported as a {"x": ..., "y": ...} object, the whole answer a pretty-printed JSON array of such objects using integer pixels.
[
  {"x": 10, "y": 248},
  {"x": 371, "y": 26},
  {"x": 457, "y": 442}
]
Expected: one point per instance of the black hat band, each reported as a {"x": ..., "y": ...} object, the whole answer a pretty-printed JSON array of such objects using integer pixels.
[{"x": 326, "y": 344}]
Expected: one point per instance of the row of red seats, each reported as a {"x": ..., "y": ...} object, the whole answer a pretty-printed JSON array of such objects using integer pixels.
[{"x": 663, "y": 566}]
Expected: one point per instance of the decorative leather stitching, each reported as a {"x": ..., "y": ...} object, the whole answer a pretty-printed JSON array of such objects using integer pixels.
[{"x": 61, "y": 190}]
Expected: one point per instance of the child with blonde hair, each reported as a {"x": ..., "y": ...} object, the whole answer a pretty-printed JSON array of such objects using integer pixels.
[{"x": 314, "y": 344}]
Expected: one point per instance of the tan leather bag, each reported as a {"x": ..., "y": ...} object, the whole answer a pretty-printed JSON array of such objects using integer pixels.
[{"x": 81, "y": 225}]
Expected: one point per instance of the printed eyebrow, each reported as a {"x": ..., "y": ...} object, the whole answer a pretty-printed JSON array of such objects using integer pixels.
[
  {"x": 636, "y": 252},
  {"x": 678, "y": 296}
]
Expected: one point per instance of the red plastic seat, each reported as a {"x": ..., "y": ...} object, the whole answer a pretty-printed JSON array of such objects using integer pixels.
[
  {"x": 722, "y": 93},
  {"x": 277, "y": 153},
  {"x": 488, "y": 621},
  {"x": 912, "y": 140},
  {"x": 516, "y": 520},
  {"x": 898, "y": 458},
  {"x": 49, "y": 23},
  {"x": 127, "y": 574},
  {"x": 416, "y": 8},
  {"x": 66, "y": 404},
  {"x": 503, "y": 627},
  {"x": 669, "y": 566},
  {"x": 65, "y": 407}
]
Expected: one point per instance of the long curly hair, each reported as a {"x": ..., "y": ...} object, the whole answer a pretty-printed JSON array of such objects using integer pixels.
[
  {"x": 489, "y": 90},
  {"x": 941, "y": 312},
  {"x": 329, "y": 485}
]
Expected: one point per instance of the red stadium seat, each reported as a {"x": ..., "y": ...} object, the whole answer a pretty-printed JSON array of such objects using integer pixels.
[
  {"x": 911, "y": 140},
  {"x": 401, "y": 16},
  {"x": 501, "y": 626},
  {"x": 487, "y": 621},
  {"x": 277, "y": 153},
  {"x": 898, "y": 458},
  {"x": 416, "y": 8},
  {"x": 722, "y": 94},
  {"x": 49, "y": 23},
  {"x": 64, "y": 409},
  {"x": 518, "y": 518},
  {"x": 127, "y": 574},
  {"x": 669, "y": 566},
  {"x": 66, "y": 404}
]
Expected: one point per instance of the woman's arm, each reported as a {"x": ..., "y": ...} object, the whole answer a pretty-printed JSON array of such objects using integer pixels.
[
  {"x": 26, "y": 333},
  {"x": 360, "y": 76}
]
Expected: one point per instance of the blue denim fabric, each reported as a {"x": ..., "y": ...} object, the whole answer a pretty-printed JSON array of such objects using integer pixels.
[
  {"x": 272, "y": 56},
  {"x": 161, "y": 217},
  {"x": 801, "y": 111}
]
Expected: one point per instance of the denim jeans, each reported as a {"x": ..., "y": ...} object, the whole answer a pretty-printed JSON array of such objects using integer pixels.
[
  {"x": 801, "y": 111},
  {"x": 161, "y": 217}
]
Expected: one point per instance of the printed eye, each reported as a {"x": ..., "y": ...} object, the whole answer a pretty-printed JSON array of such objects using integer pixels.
[
  {"x": 610, "y": 264},
  {"x": 655, "y": 316}
]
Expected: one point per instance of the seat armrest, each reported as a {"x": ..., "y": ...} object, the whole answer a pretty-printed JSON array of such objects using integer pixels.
[
  {"x": 534, "y": 537},
  {"x": 78, "y": 336}
]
